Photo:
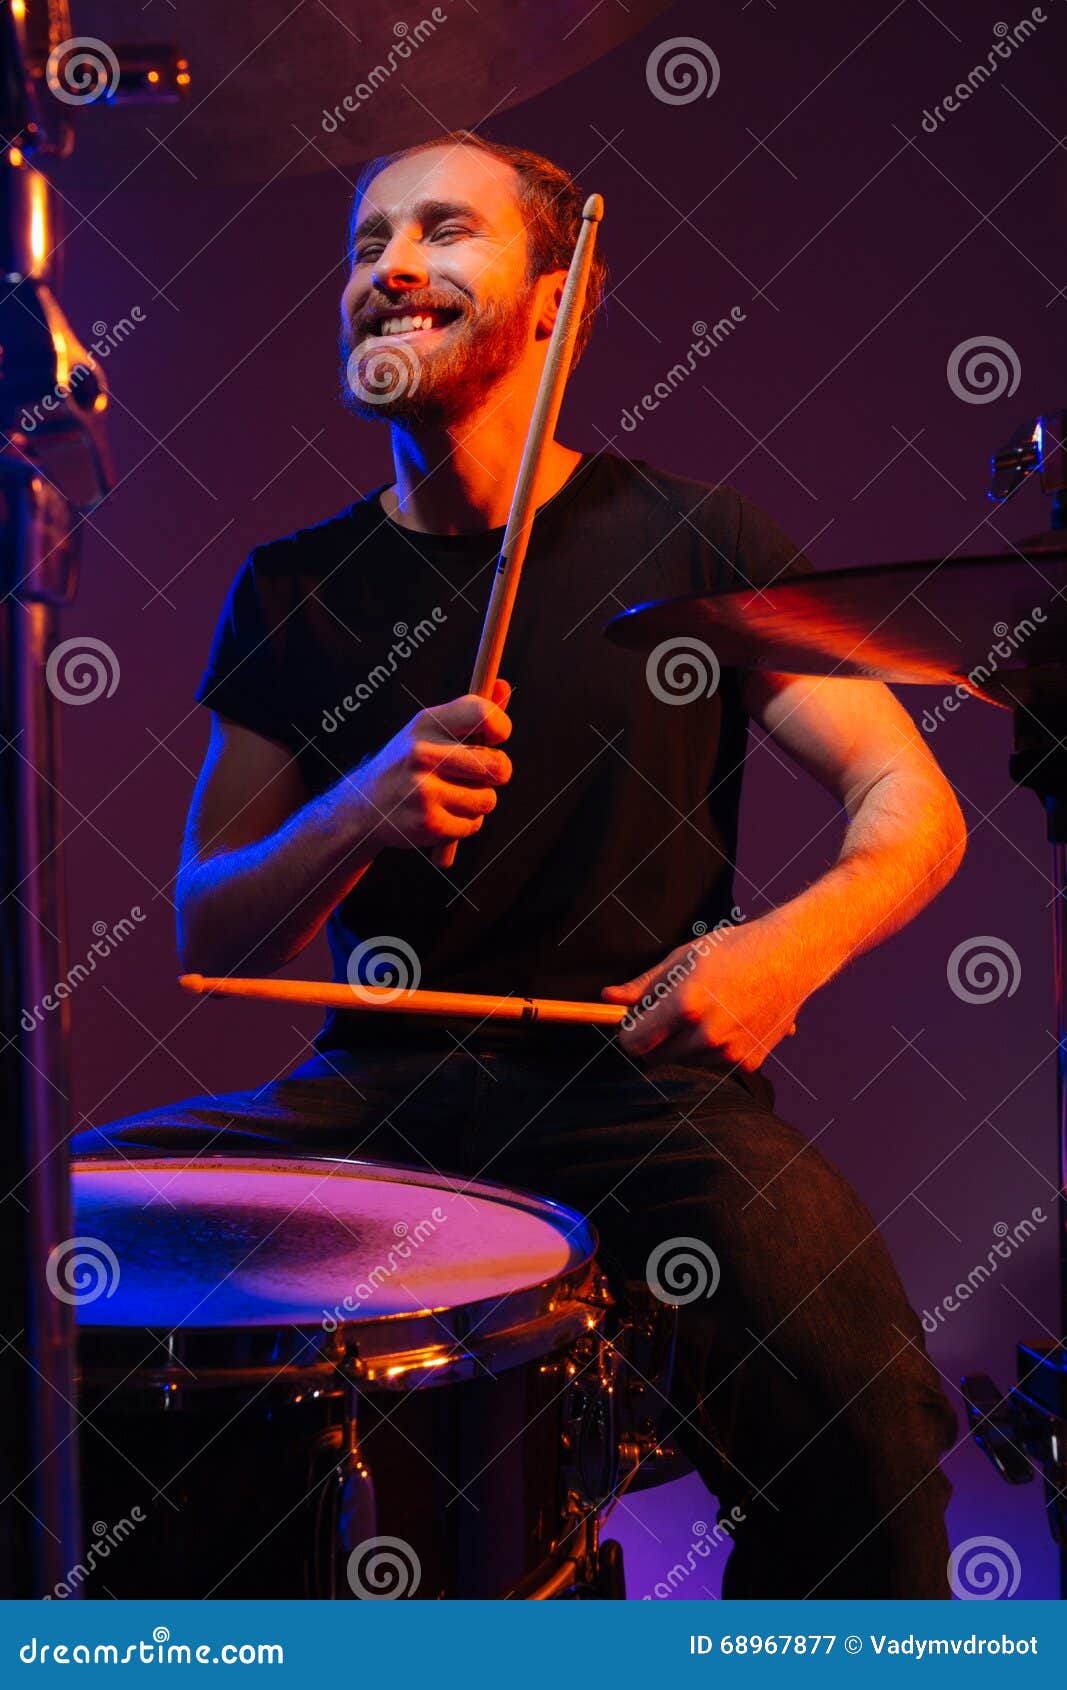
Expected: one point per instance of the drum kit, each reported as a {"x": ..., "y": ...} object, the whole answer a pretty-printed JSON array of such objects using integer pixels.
[{"x": 269, "y": 1342}]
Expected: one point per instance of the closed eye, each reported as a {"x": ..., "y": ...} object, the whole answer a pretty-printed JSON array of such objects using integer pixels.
[{"x": 367, "y": 254}]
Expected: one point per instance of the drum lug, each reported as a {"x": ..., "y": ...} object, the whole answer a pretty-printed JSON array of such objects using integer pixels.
[
  {"x": 599, "y": 1291},
  {"x": 358, "y": 1513},
  {"x": 645, "y": 1341},
  {"x": 349, "y": 1506},
  {"x": 335, "y": 1350}
]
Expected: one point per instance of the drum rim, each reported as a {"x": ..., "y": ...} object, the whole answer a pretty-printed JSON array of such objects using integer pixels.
[{"x": 512, "y": 1326}]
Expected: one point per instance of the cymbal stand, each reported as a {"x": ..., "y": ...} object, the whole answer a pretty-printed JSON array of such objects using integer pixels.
[{"x": 1028, "y": 1427}]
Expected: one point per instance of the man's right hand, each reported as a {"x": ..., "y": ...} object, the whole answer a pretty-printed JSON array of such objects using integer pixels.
[{"x": 437, "y": 778}]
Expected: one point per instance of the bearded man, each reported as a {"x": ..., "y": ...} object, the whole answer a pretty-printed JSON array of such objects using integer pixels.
[{"x": 598, "y": 848}]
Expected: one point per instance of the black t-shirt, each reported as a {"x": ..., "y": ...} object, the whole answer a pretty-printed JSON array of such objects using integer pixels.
[{"x": 616, "y": 835}]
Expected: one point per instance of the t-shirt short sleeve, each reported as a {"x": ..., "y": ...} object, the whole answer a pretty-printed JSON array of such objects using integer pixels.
[
  {"x": 243, "y": 679},
  {"x": 763, "y": 553}
]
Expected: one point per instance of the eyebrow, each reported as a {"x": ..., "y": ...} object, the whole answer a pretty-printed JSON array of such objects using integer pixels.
[{"x": 428, "y": 211}]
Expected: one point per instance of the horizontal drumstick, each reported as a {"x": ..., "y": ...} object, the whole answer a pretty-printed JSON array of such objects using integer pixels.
[{"x": 473, "y": 1006}]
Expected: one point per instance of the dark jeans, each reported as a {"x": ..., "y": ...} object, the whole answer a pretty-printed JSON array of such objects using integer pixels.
[{"x": 804, "y": 1394}]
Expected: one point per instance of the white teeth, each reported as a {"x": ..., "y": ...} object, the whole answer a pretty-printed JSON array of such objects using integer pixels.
[{"x": 404, "y": 325}]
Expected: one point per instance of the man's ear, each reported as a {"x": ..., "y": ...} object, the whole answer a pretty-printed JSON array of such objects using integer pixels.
[{"x": 551, "y": 287}]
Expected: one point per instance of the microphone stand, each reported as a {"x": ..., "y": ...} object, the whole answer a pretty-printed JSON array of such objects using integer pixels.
[{"x": 49, "y": 474}]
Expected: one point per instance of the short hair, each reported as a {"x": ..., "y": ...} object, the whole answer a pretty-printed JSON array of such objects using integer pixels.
[{"x": 551, "y": 202}]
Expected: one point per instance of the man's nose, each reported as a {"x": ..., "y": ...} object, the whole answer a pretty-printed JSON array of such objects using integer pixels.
[{"x": 400, "y": 267}]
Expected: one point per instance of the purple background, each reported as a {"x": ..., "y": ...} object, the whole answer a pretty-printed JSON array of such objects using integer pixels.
[{"x": 862, "y": 251}]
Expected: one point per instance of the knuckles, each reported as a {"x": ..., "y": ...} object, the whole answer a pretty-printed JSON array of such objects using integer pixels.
[
  {"x": 486, "y": 718},
  {"x": 424, "y": 806},
  {"x": 423, "y": 754}
]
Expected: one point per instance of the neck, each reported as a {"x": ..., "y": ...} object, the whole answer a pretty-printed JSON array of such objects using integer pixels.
[{"x": 460, "y": 479}]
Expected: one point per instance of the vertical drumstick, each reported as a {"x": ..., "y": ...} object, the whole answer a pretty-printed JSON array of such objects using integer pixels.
[{"x": 524, "y": 500}]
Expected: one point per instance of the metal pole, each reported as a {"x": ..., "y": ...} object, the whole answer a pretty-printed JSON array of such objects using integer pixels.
[
  {"x": 46, "y": 1120},
  {"x": 1057, "y": 820},
  {"x": 46, "y": 476},
  {"x": 1059, "y": 954}
]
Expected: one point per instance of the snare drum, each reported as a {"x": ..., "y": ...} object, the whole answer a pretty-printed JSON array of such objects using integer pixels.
[{"x": 333, "y": 1379}]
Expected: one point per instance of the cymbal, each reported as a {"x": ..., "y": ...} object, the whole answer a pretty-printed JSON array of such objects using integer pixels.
[
  {"x": 277, "y": 88},
  {"x": 927, "y": 623}
]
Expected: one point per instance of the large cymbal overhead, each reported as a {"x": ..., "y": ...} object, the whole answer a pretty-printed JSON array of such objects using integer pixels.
[
  {"x": 295, "y": 86},
  {"x": 927, "y": 623}
]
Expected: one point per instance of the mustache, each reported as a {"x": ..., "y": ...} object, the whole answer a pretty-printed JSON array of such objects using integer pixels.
[{"x": 363, "y": 322}]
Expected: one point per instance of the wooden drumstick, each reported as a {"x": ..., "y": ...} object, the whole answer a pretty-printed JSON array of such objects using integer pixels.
[
  {"x": 524, "y": 499},
  {"x": 470, "y": 1006},
  {"x": 474, "y": 1006}
]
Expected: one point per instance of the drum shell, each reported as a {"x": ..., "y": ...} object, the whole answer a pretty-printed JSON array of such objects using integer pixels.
[{"x": 239, "y": 1495}]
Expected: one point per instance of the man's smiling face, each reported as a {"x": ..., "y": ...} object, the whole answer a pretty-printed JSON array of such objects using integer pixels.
[{"x": 438, "y": 306}]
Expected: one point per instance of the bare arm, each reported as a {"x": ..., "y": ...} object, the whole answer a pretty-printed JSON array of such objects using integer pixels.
[
  {"x": 263, "y": 864},
  {"x": 905, "y": 837}
]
